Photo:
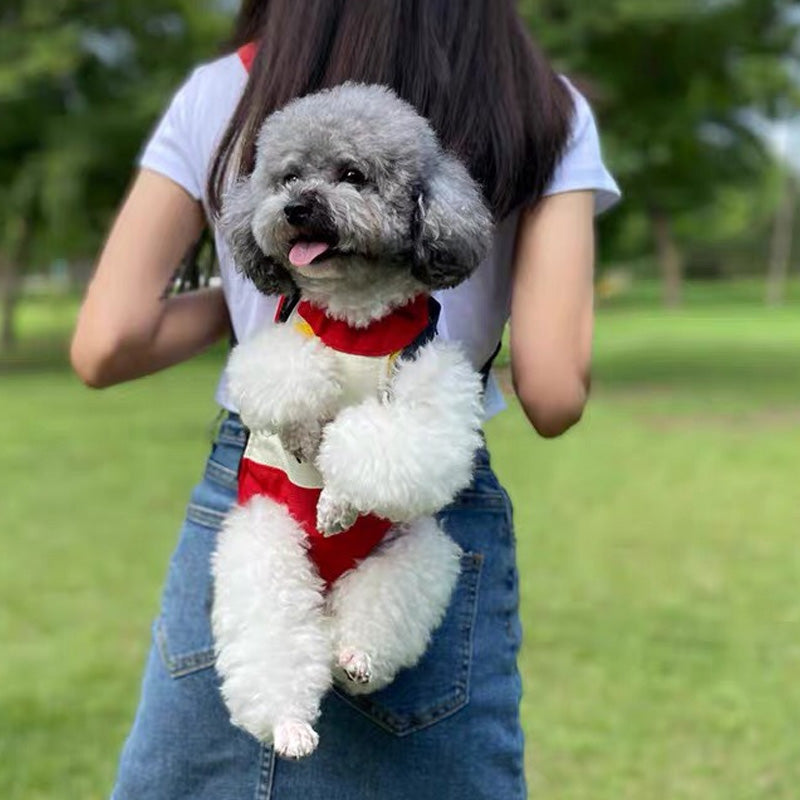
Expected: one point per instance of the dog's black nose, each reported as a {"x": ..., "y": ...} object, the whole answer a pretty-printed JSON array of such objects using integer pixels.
[{"x": 297, "y": 212}]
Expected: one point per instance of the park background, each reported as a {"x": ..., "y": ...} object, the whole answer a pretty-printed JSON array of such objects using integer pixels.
[{"x": 657, "y": 540}]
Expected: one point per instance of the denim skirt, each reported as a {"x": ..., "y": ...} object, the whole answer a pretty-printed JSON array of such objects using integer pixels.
[{"x": 448, "y": 728}]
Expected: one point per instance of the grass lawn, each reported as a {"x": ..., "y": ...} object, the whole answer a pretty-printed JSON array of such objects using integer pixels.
[{"x": 657, "y": 549}]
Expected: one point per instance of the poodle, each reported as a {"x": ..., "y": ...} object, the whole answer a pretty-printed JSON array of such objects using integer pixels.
[{"x": 362, "y": 425}]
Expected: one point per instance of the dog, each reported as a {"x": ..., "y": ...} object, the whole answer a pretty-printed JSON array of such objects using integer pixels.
[{"x": 362, "y": 426}]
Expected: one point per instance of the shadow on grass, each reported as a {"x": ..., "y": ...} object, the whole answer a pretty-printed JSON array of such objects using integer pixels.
[
  {"x": 764, "y": 370},
  {"x": 743, "y": 367},
  {"x": 36, "y": 356},
  {"x": 51, "y": 356},
  {"x": 742, "y": 294}
]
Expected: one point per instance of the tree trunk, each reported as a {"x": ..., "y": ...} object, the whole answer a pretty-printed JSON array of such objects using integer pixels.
[
  {"x": 11, "y": 281},
  {"x": 781, "y": 246},
  {"x": 9, "y": 294},
  {"x": 670, "y": 260}
]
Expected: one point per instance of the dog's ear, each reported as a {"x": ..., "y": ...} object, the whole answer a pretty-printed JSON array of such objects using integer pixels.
[
  {"x": 236, "y": 226},
  {"x": 451, "y": 227}
]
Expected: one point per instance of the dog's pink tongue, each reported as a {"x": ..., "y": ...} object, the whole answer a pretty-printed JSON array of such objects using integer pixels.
[{"x": 303, "y": 253}]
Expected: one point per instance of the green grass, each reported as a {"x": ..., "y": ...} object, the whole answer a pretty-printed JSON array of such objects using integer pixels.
[{"x": 657, "y": 550}]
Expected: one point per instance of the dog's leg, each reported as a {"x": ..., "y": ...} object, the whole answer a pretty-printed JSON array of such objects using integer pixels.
[
  {"x": 288, "y": 383},
  {"x": 271, "y": 636},
  {"x": 407, "y": 456},
  {"x": 384, "y": 611}
]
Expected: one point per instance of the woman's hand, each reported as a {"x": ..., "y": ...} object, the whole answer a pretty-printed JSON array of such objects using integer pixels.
[
  {"x": 552, "y": 314},
  {"x": 124, "y": 329}
]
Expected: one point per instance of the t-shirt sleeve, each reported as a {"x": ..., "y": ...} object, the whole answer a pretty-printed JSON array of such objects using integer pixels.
[
  {"x": 172, "y": 149},
  {"x": 581, "y": 167}
]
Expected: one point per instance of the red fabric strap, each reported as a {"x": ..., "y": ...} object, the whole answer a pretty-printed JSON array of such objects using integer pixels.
[
  {"x": 279, "y": 309},
  {"x": 247, "y": 53},
  {"x": 333, "y": 555},
  {"x": 380, "y": 338}
]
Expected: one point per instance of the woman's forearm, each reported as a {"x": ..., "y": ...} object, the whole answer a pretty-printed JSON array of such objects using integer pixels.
[
  {"x": 551, "y": 311},
  {"x": 187, "y": 324},
  {"x": 124, "y": 330}
]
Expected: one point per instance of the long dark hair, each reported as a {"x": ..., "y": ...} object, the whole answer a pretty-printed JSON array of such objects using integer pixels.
[{"x": 469, "y": 66}]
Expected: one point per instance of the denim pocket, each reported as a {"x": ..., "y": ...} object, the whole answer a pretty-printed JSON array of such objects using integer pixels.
[{"x": 183, "y": 629}]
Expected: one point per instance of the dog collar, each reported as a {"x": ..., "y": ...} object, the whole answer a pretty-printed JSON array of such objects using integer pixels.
[{"x": 382, "y": 337}]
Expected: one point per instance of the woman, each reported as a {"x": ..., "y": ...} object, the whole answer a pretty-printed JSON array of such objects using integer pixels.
[{"x": 449, "y": 727}]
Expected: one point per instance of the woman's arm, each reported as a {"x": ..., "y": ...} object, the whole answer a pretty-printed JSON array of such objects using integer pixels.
[
  {"x": 124, "y": 329},
  {"x": 552, "y": 310}
]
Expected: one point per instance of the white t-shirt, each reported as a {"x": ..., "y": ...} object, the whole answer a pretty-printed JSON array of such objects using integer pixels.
[{"x": 183, "y": 145}]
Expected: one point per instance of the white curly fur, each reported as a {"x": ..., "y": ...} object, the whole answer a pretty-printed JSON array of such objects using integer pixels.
[
  {"x": 280, "y": 377},
  {"x": 408, "y": 455},
  {"x": 271, "y": 636},
  {"x": 403, "y": 456},
  {"x": 383, "y": 612},
  {"x": 279, "y": 643}
]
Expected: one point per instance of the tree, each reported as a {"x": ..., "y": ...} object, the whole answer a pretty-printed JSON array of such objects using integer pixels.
[
  {"x": 675, "y": 83},
  {"x": 783, "y": 228},
  {"x": 81, "y": 83}
]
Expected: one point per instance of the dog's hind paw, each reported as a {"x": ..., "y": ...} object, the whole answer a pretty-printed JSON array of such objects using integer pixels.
[
  {"x": 334, "y": 516},
  {"x": 356, "y": 664},
  {"x": 294, "y": 739}
]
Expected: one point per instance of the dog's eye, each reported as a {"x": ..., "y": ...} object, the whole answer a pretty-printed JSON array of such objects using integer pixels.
[
  {"x": 290, "y": 177},
  {"x": 354, "y": 176}
]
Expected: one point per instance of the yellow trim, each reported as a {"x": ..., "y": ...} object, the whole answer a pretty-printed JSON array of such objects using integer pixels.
[{"x": 303, "y": 327}]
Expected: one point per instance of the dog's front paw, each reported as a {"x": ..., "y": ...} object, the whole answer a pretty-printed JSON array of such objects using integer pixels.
[
  {"x": 334, "y": 516},
  {"x": 301, "y": 439}
]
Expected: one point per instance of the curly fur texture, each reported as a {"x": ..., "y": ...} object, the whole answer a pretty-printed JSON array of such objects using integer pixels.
[
  {"x": 385, "y": 610},
  {"x": 408, "y": 455},
  {"x": 417, "y": 207},
  {"x": 268, "y": 625},
  {"x": 295, "y": 397},
  {"x": 399, "y": 217}
]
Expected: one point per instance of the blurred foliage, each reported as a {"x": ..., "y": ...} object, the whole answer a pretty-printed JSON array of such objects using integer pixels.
[
  {"x": 80, "y": 84},
  {"x": 678, "y": 86}
]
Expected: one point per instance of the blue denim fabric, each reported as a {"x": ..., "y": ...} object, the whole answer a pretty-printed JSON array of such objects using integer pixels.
[{"x": 448, "y": 728}]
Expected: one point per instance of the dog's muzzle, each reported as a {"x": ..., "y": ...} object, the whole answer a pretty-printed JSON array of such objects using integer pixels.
[{"x": 310, "y": 218}]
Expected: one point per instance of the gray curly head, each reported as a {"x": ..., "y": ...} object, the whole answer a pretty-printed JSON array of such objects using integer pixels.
[{"x": 354, "y": 201}]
